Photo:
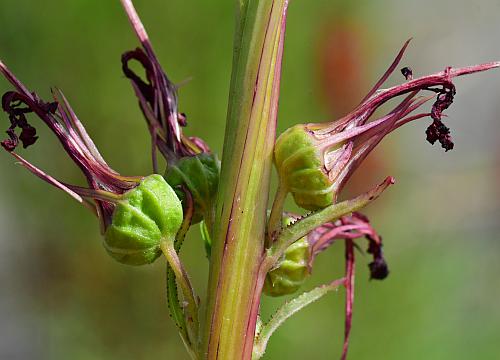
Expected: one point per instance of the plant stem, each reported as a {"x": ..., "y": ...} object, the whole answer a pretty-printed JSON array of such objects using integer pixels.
[
  {"x": 191, "y": 306},
  {"x": 176, "y": 310},
  {"x": 274, "y": 224},
  {"x": 239, "y": 230}
]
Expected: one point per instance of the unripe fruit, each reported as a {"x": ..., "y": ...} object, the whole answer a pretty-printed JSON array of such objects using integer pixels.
[
  {"x": 200, "y": 175},
  {"x": 291, "y": 272},
  {"x": 145, "y": 216},
  {"x": 301, "y": 168},
  {"x": 292, "y": 269}
]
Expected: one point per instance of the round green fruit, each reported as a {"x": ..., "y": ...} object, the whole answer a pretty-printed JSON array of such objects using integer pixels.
[
  {"x": 301, "y": 169},
  {"x": 200, "y": 175},
  {"x": 291, "y": 271},
  {"x": 145, "y": 216}
]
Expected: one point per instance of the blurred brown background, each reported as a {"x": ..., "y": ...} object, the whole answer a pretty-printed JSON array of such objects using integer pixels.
[{"x": 62, "y": 297}]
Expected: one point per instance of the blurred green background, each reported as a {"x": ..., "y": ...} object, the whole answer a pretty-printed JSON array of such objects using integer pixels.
[{"x": 62, "y": 297}]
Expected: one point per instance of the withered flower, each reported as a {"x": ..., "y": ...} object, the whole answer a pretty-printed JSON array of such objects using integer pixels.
[
  {"x": 191, "y": 167},
  {"x": 104, "y": 184},
  {"x": 135, "y": 213},
  {"x": 158, "y": 99},
  {"x": 349, "y": 228},
  {"x": 315, "y": 160}
]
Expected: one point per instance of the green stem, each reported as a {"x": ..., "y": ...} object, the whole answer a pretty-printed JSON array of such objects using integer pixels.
[
  {"x": 239, "y": 231},
  {"x": 191, "y": 304},
  {"x": 174, "y": 305},
  {"x": 275, "y": 219}
]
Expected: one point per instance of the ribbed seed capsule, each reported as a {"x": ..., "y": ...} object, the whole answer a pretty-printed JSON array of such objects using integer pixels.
[
  {"x": 200, "y": 175},
  {"x": 302, "y": 170},
  {"x": 291, "y": 272},
  {"x": 144, "y": 217}
]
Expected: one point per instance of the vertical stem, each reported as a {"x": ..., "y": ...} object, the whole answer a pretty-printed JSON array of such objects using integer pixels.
[
  {"x": 275, "y": 219},
  {"x": 239, "y": 230}
]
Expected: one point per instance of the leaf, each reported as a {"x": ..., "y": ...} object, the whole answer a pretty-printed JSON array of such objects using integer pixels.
[{"x": 286, "y": 311}]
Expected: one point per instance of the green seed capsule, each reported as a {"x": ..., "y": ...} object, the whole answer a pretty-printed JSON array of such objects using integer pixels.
[
  {"x": 200, "y": 175},
  {"x": 291, "y": 272},
  {"x": 145, "y": 215},
  {"x": 302, "y": 170}
]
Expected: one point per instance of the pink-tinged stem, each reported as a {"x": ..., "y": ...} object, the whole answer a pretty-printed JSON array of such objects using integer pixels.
[
  {"x": 349, "y": 288},
  {"x": 135, "y": 21},
  {"x": 238, "y": 242}
]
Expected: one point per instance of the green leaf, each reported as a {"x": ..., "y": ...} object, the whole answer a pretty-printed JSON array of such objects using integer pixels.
[{"x": 286, "y": 311}]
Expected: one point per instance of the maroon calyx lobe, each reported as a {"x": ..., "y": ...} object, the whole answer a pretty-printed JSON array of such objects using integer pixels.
[
  {"x": 104, "y": 184},
  {"x": 146, "y": 88},
  {"x": 157, "y": 99}
]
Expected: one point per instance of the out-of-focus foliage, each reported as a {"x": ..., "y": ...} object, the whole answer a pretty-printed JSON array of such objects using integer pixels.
[{"x": 63, "y": 297}]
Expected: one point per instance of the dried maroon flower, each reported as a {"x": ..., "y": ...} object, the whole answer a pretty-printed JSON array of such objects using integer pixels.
[
  {"x": 158, "y": 100},
  {"x": 104, "y": 184},
  {"x": 314, "y": 161},
  {"x": 349, "y": 228}
]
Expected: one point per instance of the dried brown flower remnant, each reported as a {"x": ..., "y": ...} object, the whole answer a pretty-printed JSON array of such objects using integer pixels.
[
  {"x": 105, "y": 184},
  {"x": 333, "y": 151},
  {"x": 158, "y": 99},
  {"x": 349, "y": 228}
]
